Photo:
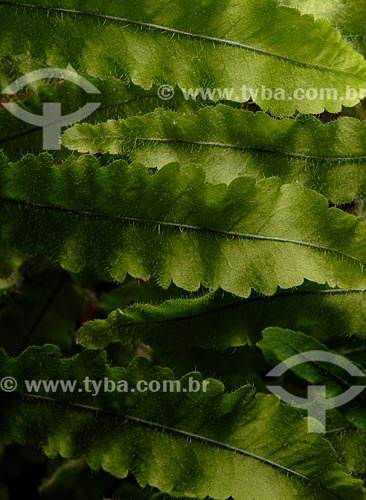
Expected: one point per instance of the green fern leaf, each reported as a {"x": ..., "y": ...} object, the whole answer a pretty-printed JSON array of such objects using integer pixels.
[
  {"x": 206, "y": 44},
  {"x": 228, "y": 440},
  {"x": 346, "y": 15},
  {"x": 229, "y": 142},
  {"x": 350, "y": 444},
  {"x": 278, "y": 345},
  {"x": 346, "y": 432},
  {"x": 132, "y": 291},
  {"x": 117, "y": 99},
  {"x": 219, "y": 321},
  {"x": 175, "y": 227}
]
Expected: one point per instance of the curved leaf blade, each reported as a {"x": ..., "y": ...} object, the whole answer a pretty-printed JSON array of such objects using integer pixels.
[
  {"x": 164, "y": 45},
  {"x": 228, "y": 142},
  {"x": 346, "y": 15},
  {"x": 227, "y": 439},
  {"x": 279, "y": 344},
  {"x": 175, "y": 227},
  {"x": 18, "y": 138},
  {"x": 219, "y": 321}
]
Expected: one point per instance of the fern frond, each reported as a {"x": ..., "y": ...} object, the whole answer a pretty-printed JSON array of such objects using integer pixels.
[
  {"x": 117, "y": 99},
  {"x": 230, "y": 142},
  {"x": 228, "y": 440},
  {"x": 175, "y": 227},
  {"x": 279, "y": 345},
  {"x": 218, "y": 321},
  {"x": 208, "y": 44},
  {"x": 346, "y": 15},
  {"x": 345, "y": 427}
]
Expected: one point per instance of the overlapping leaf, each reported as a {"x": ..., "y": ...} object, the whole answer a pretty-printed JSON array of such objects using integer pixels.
[
  {"x": 116, "y": 98},
  {"x": 350, "y": 444},
  {"x": 175, "y": 227},
  {"x": 218, "y": 321},
  {"x": 346, "y": 15},
  {"x": 132, "y": 291},
  {"x": 228, "y": 440},
  {"x": 229, "y": 142},
  {"x": 245, "y": 45},
  {"x": 278, "y": 345},
  {"x": 346, "y": 432}
]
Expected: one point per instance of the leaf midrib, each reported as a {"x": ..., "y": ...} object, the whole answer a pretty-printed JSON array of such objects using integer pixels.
[
  {"x": 175, "y": 431},
  {"x": 234, "y": 305},
  {"x": 237, "y": 147},
  {"x": 166, "y": 29},
  {"x": 180, "y": 227}
]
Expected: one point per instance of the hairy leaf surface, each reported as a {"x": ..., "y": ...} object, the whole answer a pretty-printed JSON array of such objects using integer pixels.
[
  {"x": 350, "y": 444},
  {"x": 228, "y": 440},
  {"x": 117, "y": 99},
  {"x": 230, "y": 142},
  {"x": 175, "y": 227},
  {"x": 205, "y": 44},
  {"x": 218, "y": 321},
  {"x": 346, "y": 15}
]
